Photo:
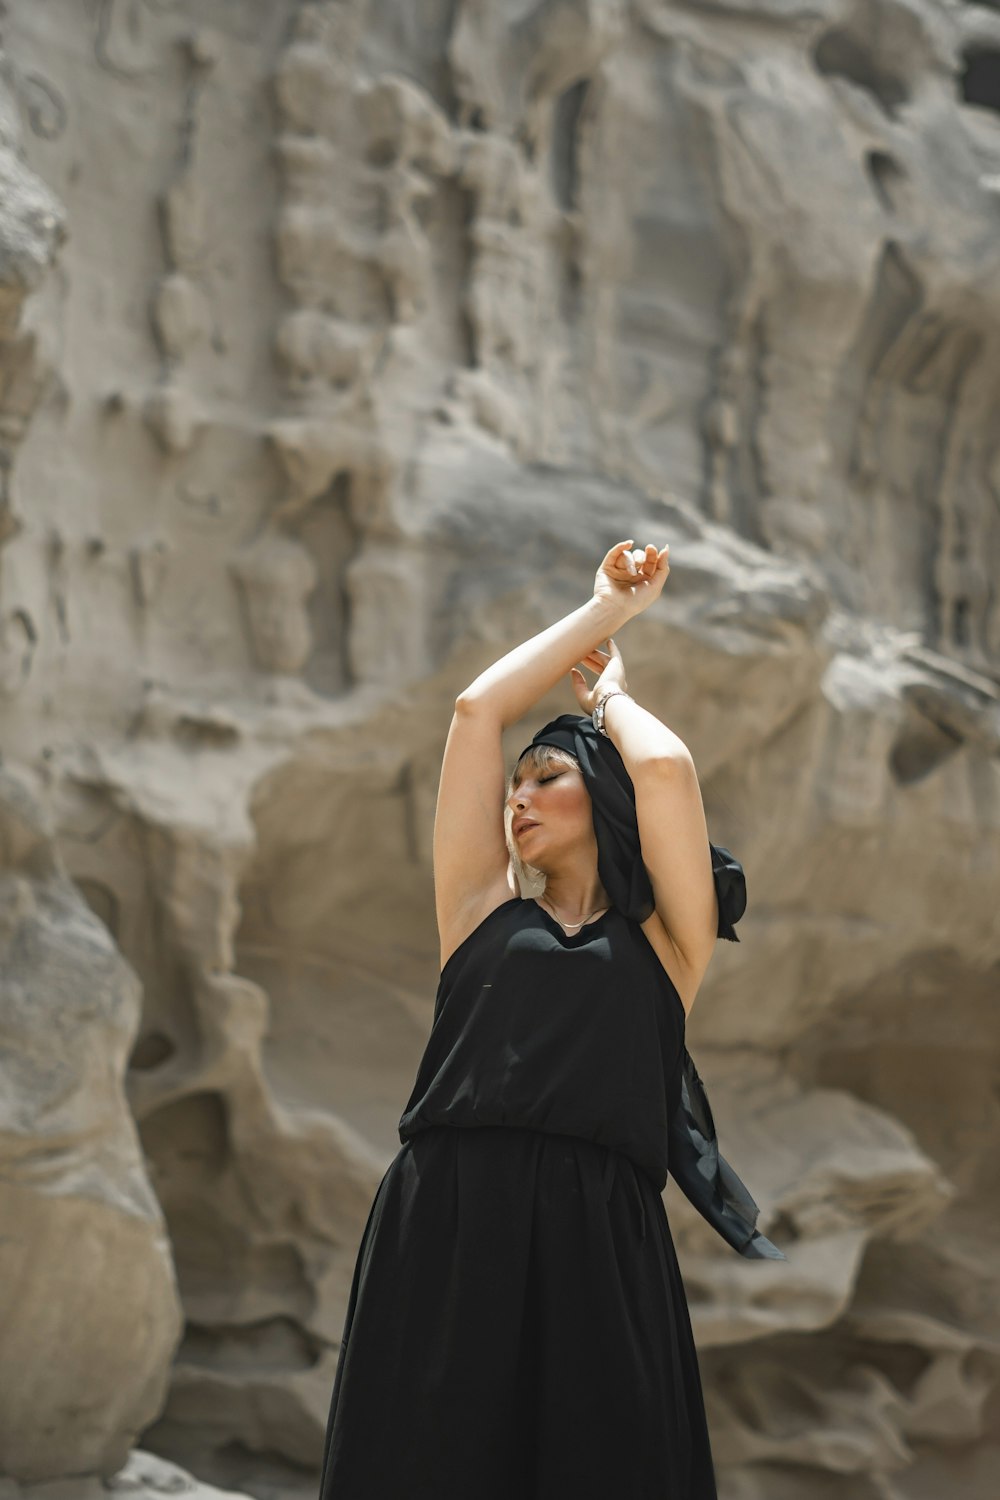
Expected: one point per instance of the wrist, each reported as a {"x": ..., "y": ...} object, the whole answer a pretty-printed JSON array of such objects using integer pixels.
[
  {"x": 608, "y": 615},
  {"x": 616, "y": 719},
  {"x": 602, "y": 699}
]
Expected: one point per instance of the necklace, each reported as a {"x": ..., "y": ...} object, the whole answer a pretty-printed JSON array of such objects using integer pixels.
[{"x": 578, "y": 924}]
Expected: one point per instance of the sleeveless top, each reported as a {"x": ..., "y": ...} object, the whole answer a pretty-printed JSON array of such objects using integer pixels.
[
  {"x": 580, "y": 1034},
  {"x": 576, "y": 1033}
]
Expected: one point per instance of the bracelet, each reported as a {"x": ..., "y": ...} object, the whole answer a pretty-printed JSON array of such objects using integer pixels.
[{"x": 598, "y": 715}]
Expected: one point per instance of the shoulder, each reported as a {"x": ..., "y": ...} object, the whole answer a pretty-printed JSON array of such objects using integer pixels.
[{"x": 463, "y": 924}]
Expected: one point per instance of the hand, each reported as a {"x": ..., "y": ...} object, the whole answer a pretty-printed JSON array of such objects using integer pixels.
[
  {"x": 631, "y": 580},
  {"x": 611, "y": 673}
]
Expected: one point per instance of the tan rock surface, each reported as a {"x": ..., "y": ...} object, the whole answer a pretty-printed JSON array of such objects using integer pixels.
[
  {"x": 145, "y": 1476},
  {"x": 337, "y": 342},
  {"x": 90, "y": 1313}
]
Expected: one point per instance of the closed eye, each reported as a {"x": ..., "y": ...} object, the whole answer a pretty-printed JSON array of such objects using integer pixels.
[{"x": 543, "y": 779}]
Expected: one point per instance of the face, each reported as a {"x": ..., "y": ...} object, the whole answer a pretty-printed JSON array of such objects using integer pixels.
[{"x": 558, "y": 817}]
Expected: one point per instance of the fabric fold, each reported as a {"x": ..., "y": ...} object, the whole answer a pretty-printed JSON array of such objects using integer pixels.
[
  {"x": 730, "y": 890},
  {"x": 706, "y": 1178}
]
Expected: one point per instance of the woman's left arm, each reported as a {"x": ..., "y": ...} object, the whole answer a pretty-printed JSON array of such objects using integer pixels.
[{"x": 673, "y": 832}]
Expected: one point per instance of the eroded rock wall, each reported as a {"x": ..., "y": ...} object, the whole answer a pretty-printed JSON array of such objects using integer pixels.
[{"x": 337, "y": 342}]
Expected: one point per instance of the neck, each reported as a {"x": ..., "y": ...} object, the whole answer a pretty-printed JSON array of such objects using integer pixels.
[{"x": 575, "y": 899}]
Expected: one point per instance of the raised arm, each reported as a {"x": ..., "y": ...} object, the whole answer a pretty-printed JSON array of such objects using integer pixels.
[
  {"x": 472, "y": 867},
  {"x": 513, "y": 685},
  {"x": 673, "y": 833},
  {"x": 673, "y": 836}
]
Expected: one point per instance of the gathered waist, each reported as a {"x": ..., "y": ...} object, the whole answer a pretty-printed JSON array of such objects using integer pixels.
[{"x": 610, "y": 1161}]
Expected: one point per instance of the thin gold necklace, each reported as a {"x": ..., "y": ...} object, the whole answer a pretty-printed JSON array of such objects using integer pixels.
[{"x": 578, "y": 924}]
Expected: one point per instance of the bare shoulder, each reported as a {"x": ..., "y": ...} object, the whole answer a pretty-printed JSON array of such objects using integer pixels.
[
  {"x": 455, "y": 927},
  {"x": 684, "y": 979}
]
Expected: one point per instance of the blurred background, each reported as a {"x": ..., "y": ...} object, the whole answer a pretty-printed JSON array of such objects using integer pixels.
[{"x": 338, "y": 341}]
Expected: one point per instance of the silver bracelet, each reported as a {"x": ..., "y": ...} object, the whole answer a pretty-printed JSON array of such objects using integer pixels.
[{"x": 598, "y": 715}]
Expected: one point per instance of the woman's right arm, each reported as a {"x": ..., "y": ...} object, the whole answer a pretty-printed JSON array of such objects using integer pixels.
[
  {"x": 473, "y": 871},
  {"x": 515, "y": 683},
  {"x": 472, "y": 867}
]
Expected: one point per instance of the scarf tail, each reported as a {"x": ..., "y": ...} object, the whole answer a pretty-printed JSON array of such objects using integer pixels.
[{"x": 706, "y": 1178}]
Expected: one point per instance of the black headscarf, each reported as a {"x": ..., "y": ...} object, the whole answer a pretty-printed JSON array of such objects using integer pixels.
[
  {"x": 700, "y": 1169},
  {"x": 619, "y": 856}
]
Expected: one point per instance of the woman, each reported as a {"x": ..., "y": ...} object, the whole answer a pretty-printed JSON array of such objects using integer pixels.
[{"x": 517, "y": 1327}]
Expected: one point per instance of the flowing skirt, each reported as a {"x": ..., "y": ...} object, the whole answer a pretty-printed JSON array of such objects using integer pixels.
[{"x": 517, "y": 1329}]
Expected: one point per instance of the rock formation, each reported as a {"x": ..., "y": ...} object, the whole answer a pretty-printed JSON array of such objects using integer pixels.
[{"x": 338, "y": 341}]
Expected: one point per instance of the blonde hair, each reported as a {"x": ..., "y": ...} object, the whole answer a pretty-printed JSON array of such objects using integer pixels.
[{"x": 537, "y": 758}]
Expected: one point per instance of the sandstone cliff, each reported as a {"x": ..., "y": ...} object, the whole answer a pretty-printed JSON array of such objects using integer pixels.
[{"x": 337, "y": 342}]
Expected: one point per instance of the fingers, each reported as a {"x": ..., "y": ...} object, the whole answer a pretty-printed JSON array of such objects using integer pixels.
[
  {"x": 637, "y": 562},
  {"x": 651, "y": 561},
  {"x": 627, "y": 559},
  {"x": 598, "y": 659},
  {"x": 620, "y": 557}
]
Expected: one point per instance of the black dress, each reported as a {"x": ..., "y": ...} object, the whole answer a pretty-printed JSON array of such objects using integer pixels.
[{"x": 517, "y": 1327}]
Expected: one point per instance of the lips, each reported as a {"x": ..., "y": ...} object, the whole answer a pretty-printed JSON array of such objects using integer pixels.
[{"x": 522, "y": 824}]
